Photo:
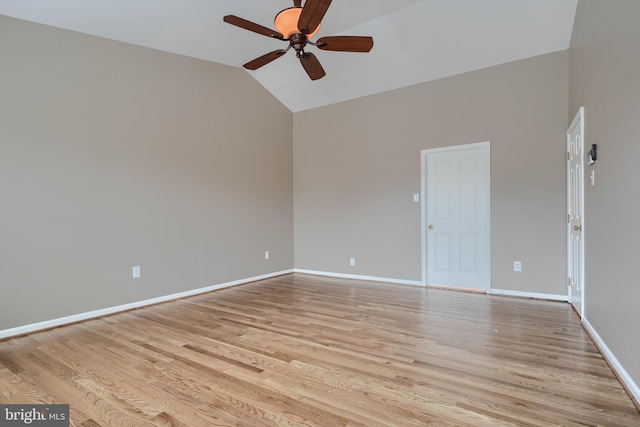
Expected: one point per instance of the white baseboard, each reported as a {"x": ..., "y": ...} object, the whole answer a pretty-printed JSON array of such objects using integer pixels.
[
  {"x": 359, "y": 277},
  {"x": 625, "y": 378},
  {"x": 622, "y": 374},
  {"x": 34, "y": 327},
  {"x": 552, "y": 297}
]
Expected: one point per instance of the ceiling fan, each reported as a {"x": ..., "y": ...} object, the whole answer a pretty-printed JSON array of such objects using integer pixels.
[{"x": 297, "y": 25}]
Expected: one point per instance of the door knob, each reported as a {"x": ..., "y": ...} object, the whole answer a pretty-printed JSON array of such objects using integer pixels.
[
  {"x": 430, "y": 226},
  {"x": 577, "y": 228}
]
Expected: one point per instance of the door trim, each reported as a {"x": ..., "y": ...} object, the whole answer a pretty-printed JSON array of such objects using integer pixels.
[{"x": 423, "y": 203}]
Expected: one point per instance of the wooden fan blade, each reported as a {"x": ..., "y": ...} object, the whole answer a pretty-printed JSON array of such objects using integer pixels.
[
  {"x": 264, "y": 59},
  {"x": 346, "y": 43},
  {"x": 312, "y": 66},
  {"x": 312, "y": 15},
  {"x": 297, "y": 3},
  {"x": 252, "y": 26}
]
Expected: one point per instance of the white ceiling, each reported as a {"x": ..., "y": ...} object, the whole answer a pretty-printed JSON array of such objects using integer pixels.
[{"x": 414, "y": 40}]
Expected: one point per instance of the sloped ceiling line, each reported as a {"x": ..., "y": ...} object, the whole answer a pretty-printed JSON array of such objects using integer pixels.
[{"x": 415, "y": 41}]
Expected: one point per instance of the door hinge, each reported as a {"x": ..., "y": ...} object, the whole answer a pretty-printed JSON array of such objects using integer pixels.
[
  {"x": 568, "y": 155},
  {"x": 568, "y": 281},
  {"x": 568, "y": 218}
]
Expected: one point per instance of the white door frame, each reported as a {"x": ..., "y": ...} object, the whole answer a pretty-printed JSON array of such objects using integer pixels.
[
  {"x": 423, "y": 203},
  {"x": 578, "y": 119}
]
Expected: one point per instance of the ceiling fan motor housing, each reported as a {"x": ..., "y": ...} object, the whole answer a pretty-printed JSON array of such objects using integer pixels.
[{"x": 298, "y": 41}]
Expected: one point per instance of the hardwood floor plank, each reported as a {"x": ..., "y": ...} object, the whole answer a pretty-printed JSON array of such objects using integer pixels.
[{"x": 316, "y": 351}]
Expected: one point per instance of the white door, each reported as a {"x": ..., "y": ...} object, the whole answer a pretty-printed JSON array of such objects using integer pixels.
[
  {"x": 575, "y": 211},
  {"x": 457, "y": 222}
]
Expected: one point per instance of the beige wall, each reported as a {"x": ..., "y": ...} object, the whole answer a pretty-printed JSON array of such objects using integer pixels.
[
  {"x": 605, "y": 59},
  {"x": 356, "y": 165},
  {"x": 112, "y": 155}
]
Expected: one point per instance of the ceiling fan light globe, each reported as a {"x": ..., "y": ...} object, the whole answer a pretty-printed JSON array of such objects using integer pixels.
[{"x": 286, "y": 22}]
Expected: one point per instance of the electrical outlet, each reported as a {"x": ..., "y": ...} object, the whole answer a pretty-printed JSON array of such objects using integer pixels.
[
  {"x": 352, "y": 262},
  {"x": 136, "y": 272},
  {"x": 266, "y": 254},
  {"x": 517, "y": 266}
]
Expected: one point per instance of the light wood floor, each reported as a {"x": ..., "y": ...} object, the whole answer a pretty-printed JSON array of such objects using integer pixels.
[{"x": 311, "y": 351}]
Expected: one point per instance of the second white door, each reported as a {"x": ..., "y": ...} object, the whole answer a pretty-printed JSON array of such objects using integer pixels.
[
  {"x": 575, "y": 211},
  {"x": 458, "y": 216}
]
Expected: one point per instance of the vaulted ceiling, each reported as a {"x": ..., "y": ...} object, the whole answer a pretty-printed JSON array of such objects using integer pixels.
[{"x": 415, "y": 40}]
